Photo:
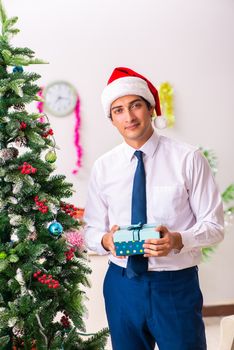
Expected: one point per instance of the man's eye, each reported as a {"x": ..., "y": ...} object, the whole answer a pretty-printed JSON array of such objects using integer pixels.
[
  {"x": 136, "y": 105},
  {"x": 118, "y": 110}
]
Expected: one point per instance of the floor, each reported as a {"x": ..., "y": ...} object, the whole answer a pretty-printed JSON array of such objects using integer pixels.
[
  {"x": 212, "y": 325},
  {"x": 212, "y": 332}
]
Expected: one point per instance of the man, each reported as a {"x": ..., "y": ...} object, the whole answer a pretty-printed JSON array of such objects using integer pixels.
[{"x": 155, "y": 297}]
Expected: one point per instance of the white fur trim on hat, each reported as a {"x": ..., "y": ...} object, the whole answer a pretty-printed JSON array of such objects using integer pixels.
[
  {"x": 123, "y": 87},
  {"x": 160, "y": 122}
]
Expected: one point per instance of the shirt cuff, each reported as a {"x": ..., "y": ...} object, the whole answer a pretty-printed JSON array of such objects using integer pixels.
[
  {"x": 93, "y": 241},
  {"x": 190, "y": 239}
]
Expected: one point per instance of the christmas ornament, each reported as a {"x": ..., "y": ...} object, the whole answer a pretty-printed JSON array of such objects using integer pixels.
[
  {"x": 15, "y": 220},
  {"x": 27, "y": 168},
  {"x": 3, "y": 255},
  {"x": 23, "y": 125},
  {"x": 14, "y": 236},
  {"x": 18, "y": 69},
  {"x": 65, "y": 320},
  {"x": 166, "y": 102},
  {"x": 19, "y": 107},
  {"x": 75, "y": 238},
  {"x": 79, "y": 213},
  {"x": 8, "y": 154},
  {"x": 47, "y": 133},
  {"x": 70, "y": 254},
  {"x": 41, "y": 205},
  {"x": 12, "y": 321},
  {"x": 51, "y": 157},
  {"x": 69, "y": 209},
  {"x": 13, "y": 258},
  {"x": 17, "y": 187},
  {"x": 46, "y": 279},
  {"x": 21, "y": 141},
  {"x": 55, "y": 229},
  {"x": 32, "y": 236},
  {"x": 12, "y": 200},
  {"x": 17, "y": 331}
]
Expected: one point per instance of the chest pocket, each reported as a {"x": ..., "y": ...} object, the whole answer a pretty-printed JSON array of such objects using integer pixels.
[{"x": 169, "y": 201}]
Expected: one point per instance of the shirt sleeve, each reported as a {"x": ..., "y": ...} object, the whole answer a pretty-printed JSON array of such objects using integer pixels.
[
  {"x": 96, "y": 214},
  {"x": 206, "y": 204}
]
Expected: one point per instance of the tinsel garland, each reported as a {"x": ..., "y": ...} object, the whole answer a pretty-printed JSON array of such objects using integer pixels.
[
  {"x": 79, "y": 151},
  {"x": 166, "y": 102},
  {"x": 40, "y": 105}
]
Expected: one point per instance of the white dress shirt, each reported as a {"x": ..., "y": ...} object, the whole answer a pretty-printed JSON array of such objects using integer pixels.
[{"x": 181, "y": 194}]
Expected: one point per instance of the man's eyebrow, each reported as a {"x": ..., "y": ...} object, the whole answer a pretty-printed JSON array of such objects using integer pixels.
[{"x": 130, "y": 103}]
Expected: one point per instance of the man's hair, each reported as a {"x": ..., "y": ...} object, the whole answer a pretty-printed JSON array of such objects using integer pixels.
[{"x": 148, "y": 105}]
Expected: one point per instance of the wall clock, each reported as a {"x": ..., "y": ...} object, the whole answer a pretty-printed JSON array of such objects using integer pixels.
[{"x": 60, "y": 98}]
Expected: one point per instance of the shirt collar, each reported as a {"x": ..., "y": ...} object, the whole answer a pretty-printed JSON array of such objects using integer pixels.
[{"x": 148, "y": 148}]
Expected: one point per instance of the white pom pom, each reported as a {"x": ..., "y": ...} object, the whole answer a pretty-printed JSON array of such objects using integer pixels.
[{"x": 160, "y": 122}]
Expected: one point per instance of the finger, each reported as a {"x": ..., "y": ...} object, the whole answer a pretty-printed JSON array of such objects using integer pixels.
[
  {"x": 159, "y": 241},
  {"x": 113, "y": 252},
  {"x": 114, "y": 229},
  {"x": 156, "y": 254},
  {"x": 162, "y": 229},
  {"x": 153, "y": 240},
  {"x": 112, "y": 247},
  {"x": 154, "y": 247},
  {"x": 155, "y": 250}
]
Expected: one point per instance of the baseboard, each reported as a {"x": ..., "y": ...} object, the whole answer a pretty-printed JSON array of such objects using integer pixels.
[{"x": 218, "y": 310}]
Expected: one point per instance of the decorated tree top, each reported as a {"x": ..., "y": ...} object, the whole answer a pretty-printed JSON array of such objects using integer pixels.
[{"x": 42, "y": 263}]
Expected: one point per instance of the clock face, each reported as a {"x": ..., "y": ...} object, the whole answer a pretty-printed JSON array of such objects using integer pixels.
[{"x": 60, "y": 98}]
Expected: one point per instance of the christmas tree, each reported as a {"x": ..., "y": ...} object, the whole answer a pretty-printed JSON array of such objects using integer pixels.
[{"x": 42, "y": 261}]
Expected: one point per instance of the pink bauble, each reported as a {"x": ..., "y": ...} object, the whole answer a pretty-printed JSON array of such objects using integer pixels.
[{"x": 75, "y": 238}]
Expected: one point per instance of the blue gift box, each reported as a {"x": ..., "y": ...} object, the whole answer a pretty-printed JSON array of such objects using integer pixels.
[{"x": 129, "y": 240}]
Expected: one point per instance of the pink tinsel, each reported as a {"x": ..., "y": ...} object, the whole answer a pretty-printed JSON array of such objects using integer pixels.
[
  {"x": 40, "y": 106},
  {"x": 75, "y": 238},
  {"x": 79, "y": 150}
]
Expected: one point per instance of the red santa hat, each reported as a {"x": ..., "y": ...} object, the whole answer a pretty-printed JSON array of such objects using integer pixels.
[{"x": 124, "y": 81}]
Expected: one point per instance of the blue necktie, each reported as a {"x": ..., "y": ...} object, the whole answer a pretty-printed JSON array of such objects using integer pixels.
[{"x": 137, "y": 264}]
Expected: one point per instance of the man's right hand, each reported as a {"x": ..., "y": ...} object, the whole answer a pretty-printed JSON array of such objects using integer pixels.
[{"x": 108, "y": 242}]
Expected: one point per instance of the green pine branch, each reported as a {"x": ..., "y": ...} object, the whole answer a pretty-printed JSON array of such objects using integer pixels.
[
  {"x": 7, "y": 24},
  {"x": 228, "y": 194},
  {"x": 211, "y": 158}
]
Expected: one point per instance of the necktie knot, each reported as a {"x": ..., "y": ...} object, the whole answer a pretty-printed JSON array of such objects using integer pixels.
[{"x": 139, "y": 155}]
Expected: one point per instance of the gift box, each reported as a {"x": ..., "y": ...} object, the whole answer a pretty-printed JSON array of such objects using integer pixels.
[{"x": 129, "y": 240}]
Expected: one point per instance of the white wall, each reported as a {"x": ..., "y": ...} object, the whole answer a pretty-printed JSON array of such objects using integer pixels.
[{"x": 189, "y": 43}]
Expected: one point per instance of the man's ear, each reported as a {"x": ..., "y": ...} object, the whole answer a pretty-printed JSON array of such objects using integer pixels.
[{"x": 153, "y": 113}]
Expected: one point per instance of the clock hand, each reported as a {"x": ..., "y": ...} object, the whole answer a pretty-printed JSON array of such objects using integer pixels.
[{"x": 61, "y": 98}]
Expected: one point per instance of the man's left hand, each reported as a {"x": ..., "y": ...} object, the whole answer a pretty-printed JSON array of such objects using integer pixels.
[{"x": 162, "y": 246}]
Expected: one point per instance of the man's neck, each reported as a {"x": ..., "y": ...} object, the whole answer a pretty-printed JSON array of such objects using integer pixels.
[{"x": 138, "y": 143}]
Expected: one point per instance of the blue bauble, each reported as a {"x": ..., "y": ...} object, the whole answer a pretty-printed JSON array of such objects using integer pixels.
[
  {"x": 55, "y": 229},
  {"x": 18, "y": 69}
]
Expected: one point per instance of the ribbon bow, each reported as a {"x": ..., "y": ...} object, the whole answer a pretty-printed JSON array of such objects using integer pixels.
[{"x": 136, "y": 228}]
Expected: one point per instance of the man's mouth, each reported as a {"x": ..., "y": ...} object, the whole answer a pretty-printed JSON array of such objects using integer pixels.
[{"x": 132, "y": 126}]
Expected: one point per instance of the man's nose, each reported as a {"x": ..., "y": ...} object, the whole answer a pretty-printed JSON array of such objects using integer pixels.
[{"x": 129, "y": 115}]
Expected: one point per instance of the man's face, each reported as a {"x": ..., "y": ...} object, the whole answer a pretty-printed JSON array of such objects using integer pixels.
[{"x": 132, "y": 117}]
